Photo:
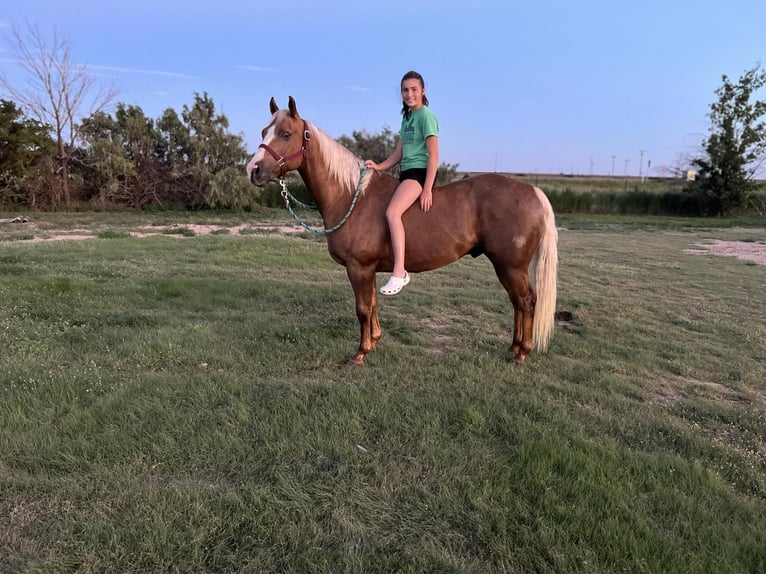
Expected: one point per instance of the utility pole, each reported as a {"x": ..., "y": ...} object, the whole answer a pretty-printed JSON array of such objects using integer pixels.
[
  {"x": 612, "y": 166},
  {"x": 641, "y": 167}
]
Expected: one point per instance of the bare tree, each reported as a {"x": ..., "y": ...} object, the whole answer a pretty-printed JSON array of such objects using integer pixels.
[{"x": 57, "y": 92}]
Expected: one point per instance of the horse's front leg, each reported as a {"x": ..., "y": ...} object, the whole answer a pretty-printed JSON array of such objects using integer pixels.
[{"x": 366, "y": 298}]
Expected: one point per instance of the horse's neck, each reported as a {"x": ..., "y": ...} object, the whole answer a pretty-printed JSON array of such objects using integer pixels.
[
  {"x": 319, "y": 184},
  {"x": 329, "y": 193}
]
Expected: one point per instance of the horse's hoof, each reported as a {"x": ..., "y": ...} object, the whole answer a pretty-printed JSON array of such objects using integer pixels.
[
  {"x": 519, "y": 358},
  {"x": 355, "y": 361}
]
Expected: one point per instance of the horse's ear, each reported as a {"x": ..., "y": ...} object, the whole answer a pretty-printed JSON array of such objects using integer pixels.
[
  {"x": 273, "y": 106},
  {"x": 292, "y": 107}
]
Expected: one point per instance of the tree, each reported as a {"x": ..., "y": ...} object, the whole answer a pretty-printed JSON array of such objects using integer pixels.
[
  {"x": 736, "y": 146},
  {"x": 186, "y": 161},
  {"x": 378, "y": 147},
  {"x": 23, "y": 145},
  {"x": 60, "y": 93},
  {"x": 229, "y": 190},
  {"x": 213, "y": 149},
  {"x": 122, "y": 162}
]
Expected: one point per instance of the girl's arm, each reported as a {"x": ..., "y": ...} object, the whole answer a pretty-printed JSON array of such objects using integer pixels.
[
  {"x": 392, "y": 160},
  {"x": 432, "y": 146}
]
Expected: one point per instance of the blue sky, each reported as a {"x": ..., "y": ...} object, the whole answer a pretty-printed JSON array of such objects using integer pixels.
[{"x": 533, "y": 86}]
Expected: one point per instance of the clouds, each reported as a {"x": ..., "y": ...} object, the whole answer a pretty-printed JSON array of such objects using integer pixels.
[
  {"x": 142, "y": 71},
  {"x": 250, "y": 68}
]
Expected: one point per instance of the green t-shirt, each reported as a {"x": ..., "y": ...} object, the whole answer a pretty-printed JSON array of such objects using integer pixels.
[{"x": 421, "y": 125}]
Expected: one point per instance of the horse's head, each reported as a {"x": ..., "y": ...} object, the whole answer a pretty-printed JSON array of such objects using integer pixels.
[{"x": 285, "y": 142}]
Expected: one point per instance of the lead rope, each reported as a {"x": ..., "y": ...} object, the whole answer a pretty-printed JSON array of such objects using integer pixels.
[{"x": 288, "y": 197}]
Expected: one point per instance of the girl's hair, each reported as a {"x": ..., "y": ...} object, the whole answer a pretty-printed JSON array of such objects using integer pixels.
[{"x": 413, "y": 75}]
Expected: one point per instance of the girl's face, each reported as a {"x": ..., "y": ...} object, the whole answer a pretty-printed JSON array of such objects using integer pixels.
[{"x": 412, "y": 93}]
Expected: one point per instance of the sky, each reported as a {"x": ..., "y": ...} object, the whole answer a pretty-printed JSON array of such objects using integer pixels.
[{"x": 524, "y": 86}]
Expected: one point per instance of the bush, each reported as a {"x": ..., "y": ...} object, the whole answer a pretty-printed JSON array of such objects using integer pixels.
[{"x": 635, "y": 202}]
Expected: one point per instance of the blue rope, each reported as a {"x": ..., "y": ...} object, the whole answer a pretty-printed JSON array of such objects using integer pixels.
[
  {"x": 286, "y": 194},
  {"x": 289, "y": 196}
]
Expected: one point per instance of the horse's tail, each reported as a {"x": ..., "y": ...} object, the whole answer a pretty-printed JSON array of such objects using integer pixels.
[{"x": 545, "y": 270}]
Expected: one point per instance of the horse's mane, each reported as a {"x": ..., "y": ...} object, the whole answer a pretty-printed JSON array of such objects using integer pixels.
[{"x": 342, "y": 164}]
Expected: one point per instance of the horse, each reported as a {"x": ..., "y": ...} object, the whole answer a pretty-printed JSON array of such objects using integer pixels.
[{"x": 509, "y": 221}]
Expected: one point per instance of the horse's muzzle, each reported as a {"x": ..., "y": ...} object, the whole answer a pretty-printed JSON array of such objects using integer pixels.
[
  {"x": 257, "y": 175},
  {"x": 254, "y": 173}
]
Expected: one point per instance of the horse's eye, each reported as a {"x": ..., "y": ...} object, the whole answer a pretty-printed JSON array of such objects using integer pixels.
[{"x": 285, "y": 136}]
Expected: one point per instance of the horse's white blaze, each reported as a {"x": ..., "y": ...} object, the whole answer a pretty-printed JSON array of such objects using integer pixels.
[{"x": 261, "y": 153}]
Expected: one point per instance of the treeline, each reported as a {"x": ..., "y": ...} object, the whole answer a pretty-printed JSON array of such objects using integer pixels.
[
  {"x": 191, "y": 161},
  {"x": 654, "y": 196},
  {"x": 187, "y": 160},
  {"x": 126, "y": 159},
  {"x": 632, "y": 202}
]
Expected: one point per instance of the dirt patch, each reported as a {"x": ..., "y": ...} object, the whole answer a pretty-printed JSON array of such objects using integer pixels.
[
  {"x": 441, "y": 341},
  {"x": 67, "y": 237},
  {"x": 176, "y": 231},
  {"x": 671, "y": 390},
  {"x": 745, "y": 250},
  {"x": 243, "y": 229}
]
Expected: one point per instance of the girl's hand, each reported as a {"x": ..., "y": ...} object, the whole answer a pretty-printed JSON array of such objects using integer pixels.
[
  {"x": 426, "y": 200},
  {"x": 368, "y": 163}
]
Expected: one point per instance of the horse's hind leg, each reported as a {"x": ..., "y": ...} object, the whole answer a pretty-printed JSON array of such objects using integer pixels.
[{"x": 517, "y": 285}]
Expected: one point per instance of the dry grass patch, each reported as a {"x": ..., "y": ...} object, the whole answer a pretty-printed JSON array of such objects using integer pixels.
[
  {"x": 674, "y": 389},
  {"x": 745, "y": 250}
]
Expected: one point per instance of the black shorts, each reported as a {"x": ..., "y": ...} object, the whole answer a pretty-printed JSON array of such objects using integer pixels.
[{"x": 416, "y": 173}]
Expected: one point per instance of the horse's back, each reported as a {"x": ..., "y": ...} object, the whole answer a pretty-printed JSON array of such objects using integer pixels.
[
  {"x": 493, "y": 196},
  {"x": 493, "y": 186},
  {"x": 476, "y": 188}
]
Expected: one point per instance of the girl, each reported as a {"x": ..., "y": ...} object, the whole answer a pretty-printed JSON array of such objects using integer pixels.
[{"x": 417, "y": 150}]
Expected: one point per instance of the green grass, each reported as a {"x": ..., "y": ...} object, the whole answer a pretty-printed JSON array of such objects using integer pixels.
[
  {"x": 179, "y": 404},
  {"x": 616, "y": 184}
]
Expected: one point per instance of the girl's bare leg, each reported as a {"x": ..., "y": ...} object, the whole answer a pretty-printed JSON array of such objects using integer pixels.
[{"x": 405, "y": 195}]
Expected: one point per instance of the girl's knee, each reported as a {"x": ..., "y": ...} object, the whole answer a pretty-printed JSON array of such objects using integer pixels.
[
  {"x": 393, "y": 214},
  {"x": 404, "y": 196}
]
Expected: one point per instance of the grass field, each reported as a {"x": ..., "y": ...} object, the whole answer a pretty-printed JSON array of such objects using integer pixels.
[{"x": 177, "y": 403}]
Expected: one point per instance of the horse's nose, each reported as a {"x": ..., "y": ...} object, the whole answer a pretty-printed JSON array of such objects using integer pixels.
[{"x": 254, "y": 173}]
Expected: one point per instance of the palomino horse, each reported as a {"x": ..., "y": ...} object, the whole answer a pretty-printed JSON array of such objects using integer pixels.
[{"x": 510, "y": 222}]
